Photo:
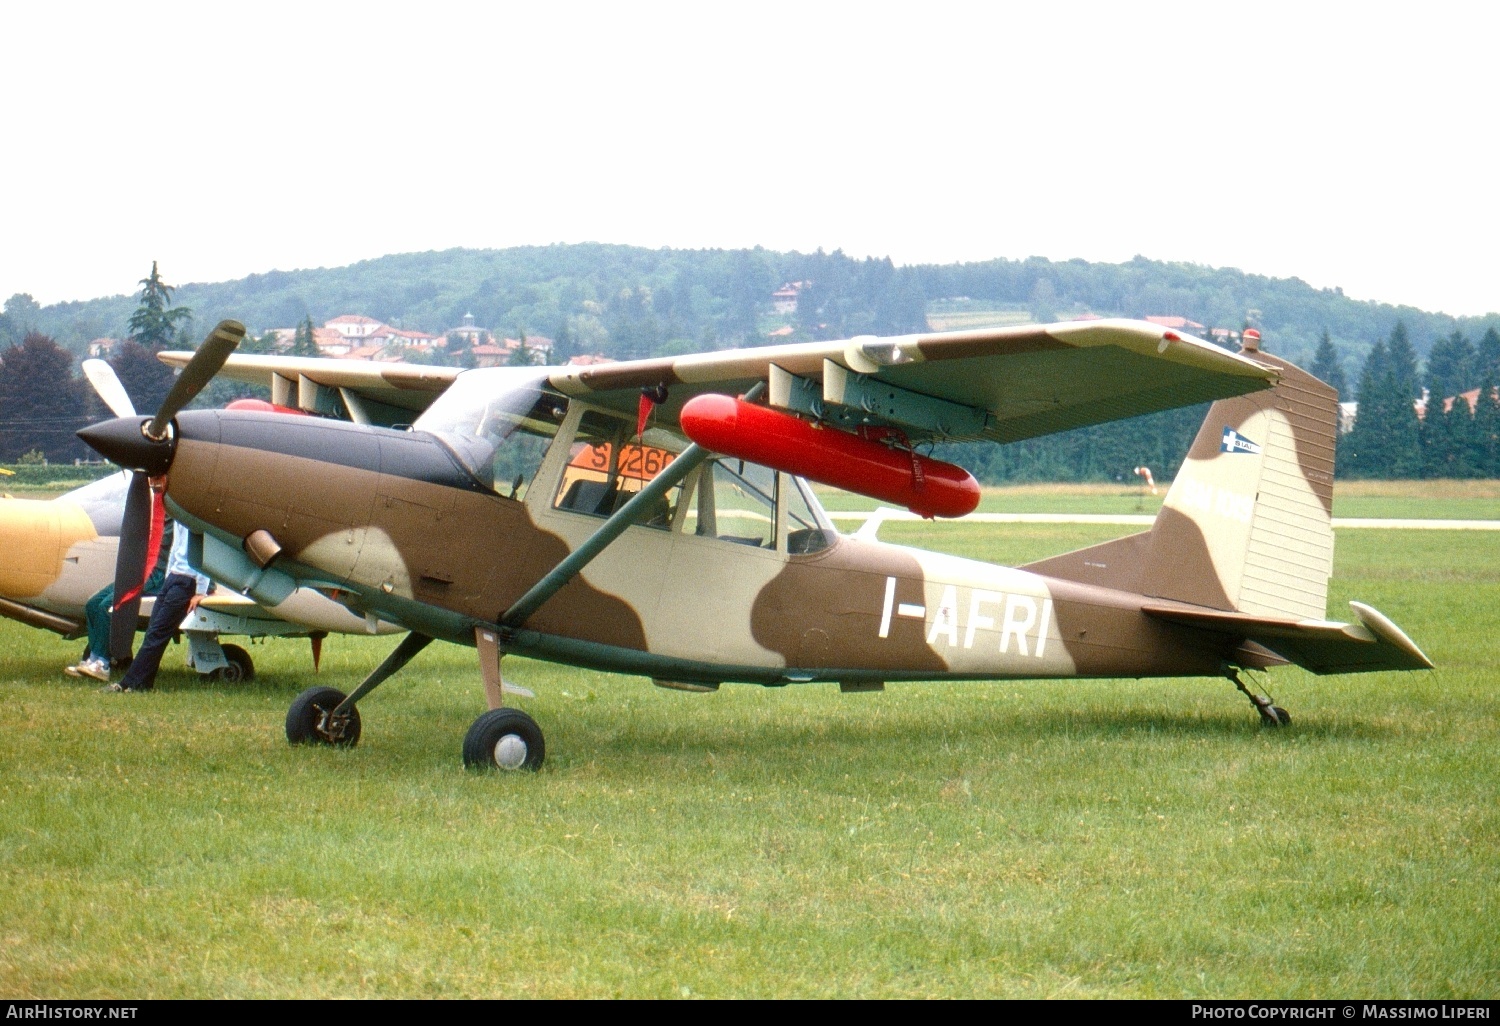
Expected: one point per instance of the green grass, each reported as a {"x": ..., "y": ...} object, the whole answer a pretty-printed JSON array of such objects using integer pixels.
[
  {"x": 1438, "y": 500},
  {"x": 1100, "y": 838}
]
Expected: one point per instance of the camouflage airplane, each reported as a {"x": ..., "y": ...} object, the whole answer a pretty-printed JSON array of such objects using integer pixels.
[
  {"x": 56, "y": 553},
  {"x": 650, "y": 517}
]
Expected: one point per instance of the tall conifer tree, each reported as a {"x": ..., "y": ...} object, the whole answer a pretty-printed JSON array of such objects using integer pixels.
[
  {"x": 1327, "y": 366},
  {"x": 1485, "y": 439},
  {"x": 1364, "y": 448},
  {"x": 1400, "y": 392}
]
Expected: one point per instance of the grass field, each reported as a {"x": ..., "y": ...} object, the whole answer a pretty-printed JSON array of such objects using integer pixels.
[
  {"x": 1438, "y": 500},
  {"x": 1101, "y": 838}
]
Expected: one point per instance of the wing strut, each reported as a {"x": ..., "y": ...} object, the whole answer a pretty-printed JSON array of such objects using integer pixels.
[
  {"x": 611, "y": 529},
  {"x": 409, "y": 647}
]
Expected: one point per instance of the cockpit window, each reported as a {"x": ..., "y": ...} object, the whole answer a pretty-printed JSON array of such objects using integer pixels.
[
  {"x": 498, "y": 422},
  {"x": 608, "y": 463}
]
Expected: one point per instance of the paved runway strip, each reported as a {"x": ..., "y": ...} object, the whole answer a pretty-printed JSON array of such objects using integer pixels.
[{"x": 1144, "y": 520}]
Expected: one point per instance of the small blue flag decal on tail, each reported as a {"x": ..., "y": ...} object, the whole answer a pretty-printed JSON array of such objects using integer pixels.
[{"x": 1236, "y": 442}]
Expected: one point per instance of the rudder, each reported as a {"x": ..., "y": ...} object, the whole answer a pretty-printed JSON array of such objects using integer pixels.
[{"x": 1247, "y": 524}]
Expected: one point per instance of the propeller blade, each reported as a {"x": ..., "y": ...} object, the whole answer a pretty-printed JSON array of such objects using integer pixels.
[
  {"x": 102, "y": 376},
  {"x": 206, "y": 362},
  {"x": 130, "y": 565}
]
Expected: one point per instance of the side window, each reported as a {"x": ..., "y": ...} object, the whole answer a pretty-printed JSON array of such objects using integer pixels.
[
  {"x": 517, "y": 461},
  {"x": 736, "y": 503},
  {"x": 606, "y": 468},
  {"x": 804, "y": 535}
]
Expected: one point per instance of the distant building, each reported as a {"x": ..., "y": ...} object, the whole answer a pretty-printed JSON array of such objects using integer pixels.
[
  {"x": 354, "y": 326},
  {"x": 1471, "y": 397},
  {"x": 784, "y": 299},
  {"x": 1174, "y": 322},
  {"x": 469, "y": 332},
  {"x": 490, "y": 355}
]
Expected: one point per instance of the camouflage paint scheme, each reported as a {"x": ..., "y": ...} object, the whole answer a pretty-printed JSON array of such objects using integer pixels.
[
  {"x": 1233, "y": 573},
  {"x": 55, "y": 554}
]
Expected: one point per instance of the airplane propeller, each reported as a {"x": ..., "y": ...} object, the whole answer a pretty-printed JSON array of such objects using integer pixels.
[
  {"x": 107, "y": 386},
  {"x": 146, "y": 447}
]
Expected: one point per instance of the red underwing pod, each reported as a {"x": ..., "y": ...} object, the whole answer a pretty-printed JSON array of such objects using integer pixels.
[{"x": 928, "y": 487}]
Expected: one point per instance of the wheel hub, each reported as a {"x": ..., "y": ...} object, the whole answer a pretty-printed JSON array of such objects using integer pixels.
[
  {"x": 332, "y": 728},
  {"x": 510, "y": 752}
]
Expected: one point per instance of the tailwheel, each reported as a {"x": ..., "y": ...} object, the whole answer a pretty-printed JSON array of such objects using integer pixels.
[
  {"x": 1274, "y": 716},
  {"x": 1271, "y": 715},
  {"x": 312, "y": 719},
  {"x": 504, "y": 739}
]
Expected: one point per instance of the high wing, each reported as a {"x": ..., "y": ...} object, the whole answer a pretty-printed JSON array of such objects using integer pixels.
[
  {"x": 363, "y": 391},
  {"x": 1001, "y": 384}
]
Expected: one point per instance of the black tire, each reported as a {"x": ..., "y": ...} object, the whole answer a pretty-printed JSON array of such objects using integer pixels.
[
  {"x": 241, "y": 667},
  {"x": 1282, "y": 718},
  {"x": 504, "y": 739},
  {"x": 307, "y": 721}
]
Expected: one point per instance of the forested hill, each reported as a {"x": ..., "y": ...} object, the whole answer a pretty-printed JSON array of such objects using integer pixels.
[{"x": 625, "y": 301}]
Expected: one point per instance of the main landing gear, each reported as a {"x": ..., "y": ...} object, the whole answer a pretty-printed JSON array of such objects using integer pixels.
[
  {"x": 503, "y": 738},
  {"x": 1271, "y": 715},
  {"x": 315, "y": 718}
]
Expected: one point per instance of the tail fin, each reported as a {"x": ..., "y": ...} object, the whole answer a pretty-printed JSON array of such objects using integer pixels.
[{"x": 1247, "y": 524}]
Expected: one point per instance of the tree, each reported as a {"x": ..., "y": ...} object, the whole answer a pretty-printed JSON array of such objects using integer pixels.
[
  {"x": 563, "y": 347},
  {"x": 1385, "y": 442},
  {"x": 1450, "y": 367},
  {"x": 145, "y": 378},
  {"x": 41, "y": 403},
  {"x": 21, "y": 316},
  {"x": 1484, "y": 445},
  {"x": 1363, "y": 452},
  {"x": 1327, "y": 366},
  {"x": 1447, "y": 438},
  {"x": 1487, "y": 358},
  {"x": 458, "y": 351},
  {"x": 524, "y": 355},
  {"x": 304, "y": 341},
  {"x": 155, "y": 322}
]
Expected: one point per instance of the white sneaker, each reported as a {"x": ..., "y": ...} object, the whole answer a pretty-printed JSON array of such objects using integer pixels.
[{"x": 95, "y": 668}]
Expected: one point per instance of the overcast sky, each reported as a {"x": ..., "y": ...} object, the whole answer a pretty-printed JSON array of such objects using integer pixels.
[{"x": 1350, "y": 146}]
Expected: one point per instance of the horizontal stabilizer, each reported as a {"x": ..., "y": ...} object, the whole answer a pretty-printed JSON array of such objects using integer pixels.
[{"x": 1321, "y": 646}]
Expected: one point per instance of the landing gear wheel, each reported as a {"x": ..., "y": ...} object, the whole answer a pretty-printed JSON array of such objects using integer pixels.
[
  {"x": 1275, "y": 716},
  {"x": 1271, "y": 715},
  {"x": 504, "y": 739},
  {"x": 240, "y": 669},
  {"x": 310, "y": 720}
]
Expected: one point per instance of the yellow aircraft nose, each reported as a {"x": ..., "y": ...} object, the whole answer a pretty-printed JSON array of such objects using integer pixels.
[{"x": 35, "y": 536}]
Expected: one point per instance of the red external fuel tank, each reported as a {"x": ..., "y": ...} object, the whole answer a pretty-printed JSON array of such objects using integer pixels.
[{"x": 782, "y": 441}]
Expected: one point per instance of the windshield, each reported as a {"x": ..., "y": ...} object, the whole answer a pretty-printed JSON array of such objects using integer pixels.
[{"x": 498, "y": 421}]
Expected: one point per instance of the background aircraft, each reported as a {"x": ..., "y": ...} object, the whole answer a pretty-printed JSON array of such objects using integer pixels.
[
  {"x": 56, "y": 553},
  {"x": 637, "y": 517}
]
